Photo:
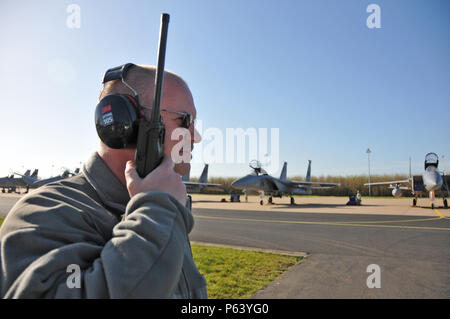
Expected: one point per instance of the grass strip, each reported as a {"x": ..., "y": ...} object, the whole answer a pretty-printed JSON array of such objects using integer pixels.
[{"x": 238, "y": 274}]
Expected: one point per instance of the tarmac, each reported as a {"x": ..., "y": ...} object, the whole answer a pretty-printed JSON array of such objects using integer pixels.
[
  {"x": 400, "y": 206},
  {"x": 410, "y": 244}
]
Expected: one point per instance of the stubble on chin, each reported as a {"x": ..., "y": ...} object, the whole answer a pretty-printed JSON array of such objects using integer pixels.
[{"x": 182, "y": 168}]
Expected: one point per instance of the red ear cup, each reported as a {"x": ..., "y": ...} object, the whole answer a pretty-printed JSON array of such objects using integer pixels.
[{"x": 117, "y": 120}]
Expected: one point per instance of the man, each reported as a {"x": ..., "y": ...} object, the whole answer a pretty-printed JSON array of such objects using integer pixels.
[
  {"x": 358, "y": 197},
  {"x": 107, "y": 233}
]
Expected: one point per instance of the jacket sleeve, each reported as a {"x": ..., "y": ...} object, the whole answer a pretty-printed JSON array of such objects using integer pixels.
[{"x": 43, "y": 246}]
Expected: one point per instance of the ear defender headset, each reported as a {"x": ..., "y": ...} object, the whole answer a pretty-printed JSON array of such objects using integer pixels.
[{"x": 117, "y": 116}]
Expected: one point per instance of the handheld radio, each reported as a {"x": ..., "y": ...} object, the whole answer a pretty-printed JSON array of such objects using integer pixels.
[{"x": 150, "y": 140}]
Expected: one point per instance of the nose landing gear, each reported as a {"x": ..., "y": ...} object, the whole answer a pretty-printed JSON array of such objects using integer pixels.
[{"x": 432, "y": 199}]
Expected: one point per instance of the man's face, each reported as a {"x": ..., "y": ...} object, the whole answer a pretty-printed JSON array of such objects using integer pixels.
[{"x": 178, "y": 98}]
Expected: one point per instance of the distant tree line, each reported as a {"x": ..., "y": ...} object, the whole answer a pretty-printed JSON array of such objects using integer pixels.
[{"x": 349, "y": 185}]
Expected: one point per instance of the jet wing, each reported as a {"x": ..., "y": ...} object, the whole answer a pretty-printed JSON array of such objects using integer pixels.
[
  {"x": 387, "y": 183},
  {"x": 15, "y": 173},
  {"x": 306, "y": 184},
  {"x": 201, "y": 184},
  {"x": 321, "y": 187}
]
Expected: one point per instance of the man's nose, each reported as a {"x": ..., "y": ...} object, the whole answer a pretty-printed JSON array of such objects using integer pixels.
[{"x": 196, "y": 136}]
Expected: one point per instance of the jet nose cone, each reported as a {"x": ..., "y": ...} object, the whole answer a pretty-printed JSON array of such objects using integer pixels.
[
  {"x": 432, "y": 181},
  {"x": 430, "y": 186},
  {"x": 235, "y": 183}
]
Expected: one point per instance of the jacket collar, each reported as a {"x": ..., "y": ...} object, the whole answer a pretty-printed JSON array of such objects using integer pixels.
[{"x": 109, "y": 188}]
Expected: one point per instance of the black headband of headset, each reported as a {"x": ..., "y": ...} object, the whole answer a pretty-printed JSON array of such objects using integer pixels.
[{"x": 119, "y": 72}]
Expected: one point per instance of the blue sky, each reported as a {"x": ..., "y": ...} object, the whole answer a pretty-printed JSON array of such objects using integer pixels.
[{"x": 313, "y": 69}]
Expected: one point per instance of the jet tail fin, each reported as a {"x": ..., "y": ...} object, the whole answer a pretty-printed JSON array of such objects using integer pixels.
[
  {"x": 27, "y": 173},
  {"x": 204, "y": 177},
  {"x": 308, "y": 172},
  {"x": 284, "y": 171},
  {"x": 35, "y": 173}
]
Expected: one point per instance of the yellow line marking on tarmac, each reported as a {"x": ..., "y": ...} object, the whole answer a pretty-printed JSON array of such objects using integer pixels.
[
  {"x": 392, "y": 221},
  {"x": 318, "y": 223},
  {"x": 441, "y": 216}
]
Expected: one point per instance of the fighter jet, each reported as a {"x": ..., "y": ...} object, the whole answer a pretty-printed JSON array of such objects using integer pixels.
[
  {"x": 27, "y": 178},
  {"x": 12, "y": 183},
  {"x": 65, "y": 174},
  {"x": 197, "y": 187},
  {"x": 33, "y": 181},
  {"x": 265, "y": 184},
  {"x": 430, "y": 181}
]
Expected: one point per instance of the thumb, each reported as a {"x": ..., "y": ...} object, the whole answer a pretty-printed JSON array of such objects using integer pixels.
[{"x": 130, "y": 171}]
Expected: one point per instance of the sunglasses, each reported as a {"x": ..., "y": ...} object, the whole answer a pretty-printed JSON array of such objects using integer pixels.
[{"x": 186, "y": 118}]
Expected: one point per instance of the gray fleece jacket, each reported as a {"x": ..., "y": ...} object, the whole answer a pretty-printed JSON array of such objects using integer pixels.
[{"x": 122, "y": 247}]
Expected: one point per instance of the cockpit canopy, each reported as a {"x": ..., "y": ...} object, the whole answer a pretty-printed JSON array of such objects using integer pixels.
[
  {"x": 431, "y": 159},
  {"x": 257, "y": 169}
]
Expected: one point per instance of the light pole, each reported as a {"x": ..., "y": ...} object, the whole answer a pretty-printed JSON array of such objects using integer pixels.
[{"x": 368, "y": 159}]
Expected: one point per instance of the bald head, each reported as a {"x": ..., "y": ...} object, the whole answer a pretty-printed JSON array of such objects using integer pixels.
[{"x": 142, "y": 79}]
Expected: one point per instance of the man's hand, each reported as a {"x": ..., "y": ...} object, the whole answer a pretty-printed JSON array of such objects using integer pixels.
[{"x": 163, "y": 179}]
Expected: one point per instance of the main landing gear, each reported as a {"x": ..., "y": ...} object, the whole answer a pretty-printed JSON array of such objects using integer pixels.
[
  {"x": 444, "y": 199},
  {"x": 270, "y": 201}
]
